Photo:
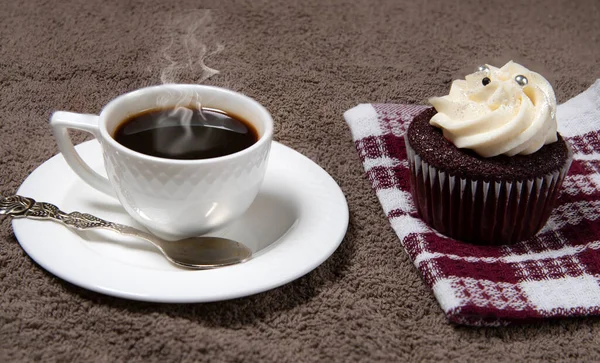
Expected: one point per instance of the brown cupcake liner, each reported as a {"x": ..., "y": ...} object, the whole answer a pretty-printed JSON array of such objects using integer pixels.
[{"x": 482, "y": 212}]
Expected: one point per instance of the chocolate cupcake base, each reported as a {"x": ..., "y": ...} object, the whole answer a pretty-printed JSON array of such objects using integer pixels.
[
  {"x": 482, "y": 212},
  {"x": 469, "y": 203}
]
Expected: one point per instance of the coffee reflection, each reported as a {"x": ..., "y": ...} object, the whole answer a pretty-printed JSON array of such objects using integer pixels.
[{"x": 186, "y": 133}]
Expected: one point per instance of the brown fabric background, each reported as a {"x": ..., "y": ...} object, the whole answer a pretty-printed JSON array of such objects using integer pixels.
[{"x": 307, "y": 62}]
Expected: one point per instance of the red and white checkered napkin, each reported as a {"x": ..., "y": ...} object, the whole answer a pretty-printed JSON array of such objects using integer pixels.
[{"x": 554, "y": 274}]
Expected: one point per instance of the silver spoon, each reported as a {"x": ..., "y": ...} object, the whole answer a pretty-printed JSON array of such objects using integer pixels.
[{"x": 194, "y": 253}]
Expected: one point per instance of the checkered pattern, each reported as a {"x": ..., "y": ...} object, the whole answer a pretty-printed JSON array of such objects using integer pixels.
[{"x": 554, "y": 274}]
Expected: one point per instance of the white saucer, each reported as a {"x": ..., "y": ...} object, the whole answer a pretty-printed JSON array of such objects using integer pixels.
[{"x": 297, "y": 221}]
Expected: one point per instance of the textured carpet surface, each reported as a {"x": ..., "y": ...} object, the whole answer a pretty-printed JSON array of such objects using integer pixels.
[{"x": 307, "y": 62}]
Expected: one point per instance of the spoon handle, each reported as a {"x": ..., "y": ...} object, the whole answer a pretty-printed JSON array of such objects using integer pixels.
[{"x": 23, "y": 207}]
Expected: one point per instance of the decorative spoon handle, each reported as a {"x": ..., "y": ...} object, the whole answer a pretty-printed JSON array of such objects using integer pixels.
[
  {"x": 194, "y": 252},
  {"x": 22, "y": 207}
]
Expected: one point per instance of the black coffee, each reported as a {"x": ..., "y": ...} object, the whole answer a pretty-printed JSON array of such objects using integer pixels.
[{"x": 185, "y": 133}]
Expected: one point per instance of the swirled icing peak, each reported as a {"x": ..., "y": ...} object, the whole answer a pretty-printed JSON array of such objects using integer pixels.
[{"x": 509, "y": 110}]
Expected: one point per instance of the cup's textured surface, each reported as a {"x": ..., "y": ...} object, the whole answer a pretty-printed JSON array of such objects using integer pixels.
[
  {"x": 175, "y": 200},
  {"x": 307, "y": 62}
]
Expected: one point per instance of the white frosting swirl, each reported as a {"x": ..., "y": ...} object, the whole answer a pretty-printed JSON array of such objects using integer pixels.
[{"x": 501, "y": 117}]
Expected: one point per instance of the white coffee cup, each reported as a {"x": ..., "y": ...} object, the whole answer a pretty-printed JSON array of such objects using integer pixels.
[{"x": 173, "y": 198}]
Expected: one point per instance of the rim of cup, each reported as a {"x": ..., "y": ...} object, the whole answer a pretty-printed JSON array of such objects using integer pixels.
[{"x": 264, "y": 114}]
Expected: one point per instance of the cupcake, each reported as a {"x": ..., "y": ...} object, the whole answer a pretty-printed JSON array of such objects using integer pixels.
[{"x": 486, "y": 162}]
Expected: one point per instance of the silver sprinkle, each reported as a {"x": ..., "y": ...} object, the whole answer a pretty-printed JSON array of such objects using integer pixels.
[
  {"x": 521, "y": 80},
  {"x": 483, "y": 68}
]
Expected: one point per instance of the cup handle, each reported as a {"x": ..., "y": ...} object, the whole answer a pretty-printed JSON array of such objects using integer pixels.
[{"x": 61, "y": 121}]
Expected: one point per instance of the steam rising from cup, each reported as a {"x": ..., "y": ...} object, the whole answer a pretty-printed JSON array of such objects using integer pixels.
[
  {"x": 194, "y": 41},
  {"x": 188, "y": 114}
]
